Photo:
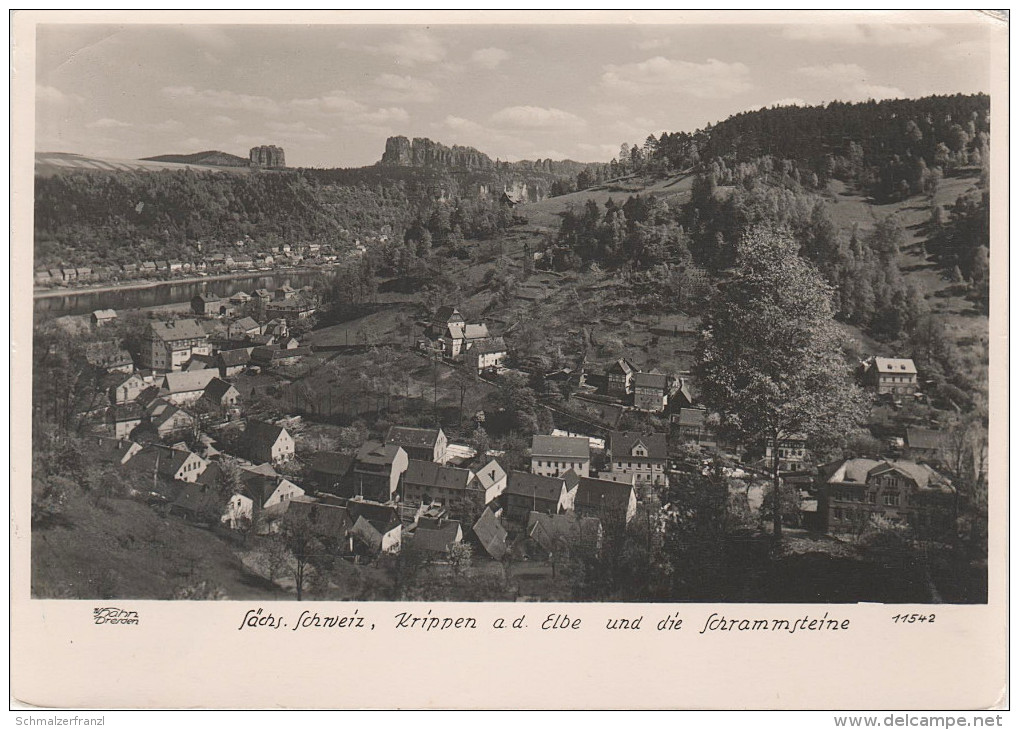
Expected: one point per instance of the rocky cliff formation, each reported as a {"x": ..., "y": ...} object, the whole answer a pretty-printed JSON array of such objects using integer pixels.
[
  {"x": 423, "y": 152},
  {"x": 267, "y": 156}
]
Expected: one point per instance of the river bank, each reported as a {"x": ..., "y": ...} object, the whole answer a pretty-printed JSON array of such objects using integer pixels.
[
  {"x": 152, "y": 283},
  {"x": 149, "y": 294}
]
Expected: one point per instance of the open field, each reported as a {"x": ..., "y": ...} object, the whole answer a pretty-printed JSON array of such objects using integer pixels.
[{"x": 54, "y": 163}]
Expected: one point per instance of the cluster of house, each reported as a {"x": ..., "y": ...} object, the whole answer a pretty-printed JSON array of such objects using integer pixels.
[
  {"x": 284, "y": 303},
  {"x": 283, "y": 255},
  {"x": 652, "y": 391},
  {"x": 457, "y": 340},
  {"x": 184, "y": 367}
]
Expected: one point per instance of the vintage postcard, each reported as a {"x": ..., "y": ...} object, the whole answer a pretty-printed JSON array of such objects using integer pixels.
[{"x": 510, "y": 360}]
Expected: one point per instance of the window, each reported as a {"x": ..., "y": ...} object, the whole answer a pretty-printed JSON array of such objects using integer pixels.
[
  {"x": 891, "y": 499},
  {"x": 872, "y": 497},
  {"x": 837, "y": 514}
]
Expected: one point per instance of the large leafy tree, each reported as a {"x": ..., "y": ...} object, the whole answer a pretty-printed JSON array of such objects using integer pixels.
[{"x": 771, "y": 361}]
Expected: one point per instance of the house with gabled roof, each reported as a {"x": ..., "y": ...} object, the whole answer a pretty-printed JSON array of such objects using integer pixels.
[
  {"x": 426, "y": 482},
  {"x": 552, "y": 456},
  {"x": 491, "y": 479},
  {"x": 103, "y": 316},
  {"x": 331, "y": 523},
  {"x": 109, "y": 357},
  {"x": 894, "y": 375},
  {"x": 565, "y": 532},
  {"x": 267, "y": 442},
  {"x": 233, "y": 362},
  {"x": 900, "y": 490},
  {"x": 926, "y": 443},
  {"x": 491, "y": 534},
  {"x": 166, "y": 346},
  {"x": 377, "y": 527},
  {"x": 425, "y": 444},
  {"x": 257, "y": 494},
  {"x": 526, "y": 493},
  {"x": 608, "y": 500},
  {"x": 242, "y": 328},
  {"x": 445, "y": 316},
  {"x": 125, "y": 418},
  {"x": 377, "y": 471},
  {"x": 168, "y": 420},
  {"x": 489, "y": 355},
  {"x": 221, "y": 394},
  {"x": 619, "y": 378},
  {"x": 641, "y": 455},
  {"x": 111, "y": 451},
  {"x": 329, "y": 470},
  {"x": 651, "y": 391},
  {"x": 187, "y": 386},
  {"x": 435, "y": 536},
  {"x": 183, "y": 466}
]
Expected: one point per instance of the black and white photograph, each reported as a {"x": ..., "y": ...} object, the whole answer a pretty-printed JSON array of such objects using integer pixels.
[{"x": 656, "y": 313}]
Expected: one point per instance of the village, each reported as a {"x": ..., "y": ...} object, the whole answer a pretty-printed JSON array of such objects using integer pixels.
[{"x": 187, "y": 428}]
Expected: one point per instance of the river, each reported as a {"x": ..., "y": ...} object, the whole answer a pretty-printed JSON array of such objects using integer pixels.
[{"x": 167, "y": 292}]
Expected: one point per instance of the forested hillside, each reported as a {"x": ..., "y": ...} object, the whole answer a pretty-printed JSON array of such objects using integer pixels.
[{"x": 890, "y": 148}]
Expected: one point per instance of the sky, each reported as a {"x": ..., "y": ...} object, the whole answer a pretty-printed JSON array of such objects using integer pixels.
[{"x": 331, "y": 95}]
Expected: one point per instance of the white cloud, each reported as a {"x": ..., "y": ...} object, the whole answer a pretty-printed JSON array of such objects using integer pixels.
[
  {"x": 414, "y": 47},
  {"x": 637, "y": 128},
  {"x": 297, "y": 130},
  {"x": 536, "y": 117},
  {"x": 606, "y": 151},
  {"x": 170, "y": 125},
  {"x": 849, "y": 81},
  {"x": 405, "y": 89},
  {"x": 878, "y": 92},
  {"x": 54, "y": 96},
  {"x": 385, "y": 116},
  {"x": 461, "y": 124},
  {"x": 834, "y": 72},
  {"x": 878, "y": 35},
  {"x": 338, "y": 105},
  {"x": 489, "y": 57},
  {"x": 333, "y": 102},
  {"x": 659, "y": 75},
  {"x": 218, "y": 99},
  {"x": 654, "y": 44},
  {"x": 223, "y": 121},
  {"x": 107, "y": 123}
]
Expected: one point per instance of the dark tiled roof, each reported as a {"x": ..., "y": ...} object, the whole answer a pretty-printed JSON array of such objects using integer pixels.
[
  {"x": 181, "y": 329},
  {"x": 491, "y": 534},
  {"x": 924, "y": 438},
  {"x": 437, "y": 539},
  {"x": 621, "y": 444},
  {"x": 561, "y": 446},
  {"x": 602, "y": 493},
  {"x": 428, "y": 473},
  {"x": 217, "y": 389},
  {"x": 650, "y": 380},
  {"x": 416, "y": 437},
  {"x": 234, "y": 358},
  {"x": 691, "y": 417},
  {"x": 522, "y": 484},
  {"x": 262, "y": 433},
  {"x": 622, "y": 366},
  {"x": 331, "y": 462},
  {"x": 372, "y": 452},
  {"x": 490, "y": 346}
]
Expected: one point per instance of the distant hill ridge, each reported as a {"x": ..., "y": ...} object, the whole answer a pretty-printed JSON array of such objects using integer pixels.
[{"x": 209, "y": 157}]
